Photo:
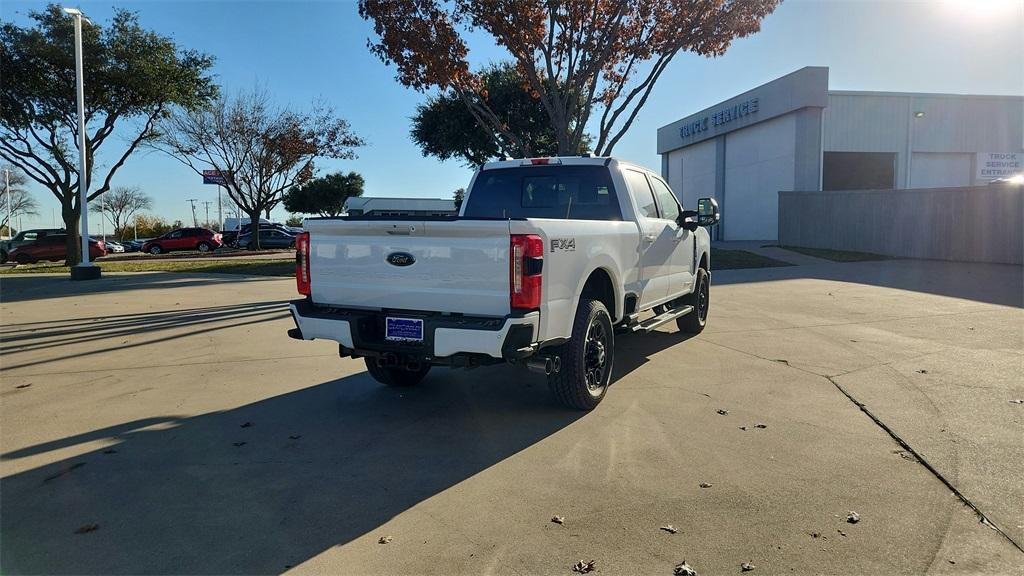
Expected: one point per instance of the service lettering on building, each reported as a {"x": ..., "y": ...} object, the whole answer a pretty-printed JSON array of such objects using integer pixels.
[
  {"x": 995, "y": 165},
  {"x": 723, "y": 116}
]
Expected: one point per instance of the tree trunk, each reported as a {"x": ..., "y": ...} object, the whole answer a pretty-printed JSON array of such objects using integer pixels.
[
  {"x": 254, "y": 229},
  {"x": 74, "y": 243}
]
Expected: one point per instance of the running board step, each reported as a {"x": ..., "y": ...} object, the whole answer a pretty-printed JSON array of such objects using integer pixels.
[{"x": 652, "y": 323}]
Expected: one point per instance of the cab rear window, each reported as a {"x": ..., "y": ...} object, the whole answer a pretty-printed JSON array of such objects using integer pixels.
[{"x": 558, "y": 192}]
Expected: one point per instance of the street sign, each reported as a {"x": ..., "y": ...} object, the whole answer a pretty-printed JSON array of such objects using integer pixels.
[{"x": 214, "y": 177}]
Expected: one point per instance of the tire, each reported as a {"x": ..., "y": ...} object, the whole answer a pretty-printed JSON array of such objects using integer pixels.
[
  {"x": 156, "y": 249},
  {"x": 23, "y": 259},
  {"x": 204, "y": 247},
  {"x": 700, "y": 299},
  {"x": 586, "y": 359},
  {"x": 395, "y": 377}
]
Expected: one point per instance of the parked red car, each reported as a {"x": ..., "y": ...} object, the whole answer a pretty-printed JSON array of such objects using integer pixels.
[
  {"x": 200, "y": 239},
  {"x": 52, "y": 247}
]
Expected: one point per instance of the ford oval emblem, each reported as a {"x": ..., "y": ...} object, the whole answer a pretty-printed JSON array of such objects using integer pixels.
[{"x": 400, "y": 259}]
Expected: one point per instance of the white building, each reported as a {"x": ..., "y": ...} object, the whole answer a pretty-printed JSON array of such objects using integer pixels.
[
  {"x": 369, "y": 206},
  {"x": 793, "y": 133}
]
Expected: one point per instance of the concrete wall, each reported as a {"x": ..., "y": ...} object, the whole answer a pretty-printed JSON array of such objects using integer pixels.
[{"x": 973, "y": 224}]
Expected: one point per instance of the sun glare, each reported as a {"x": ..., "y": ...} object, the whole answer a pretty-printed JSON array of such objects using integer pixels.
[{"x": 988, "y": 10}]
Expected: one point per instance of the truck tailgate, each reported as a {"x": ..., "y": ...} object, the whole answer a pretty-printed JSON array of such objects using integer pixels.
[{"x": 457, "y": 265}]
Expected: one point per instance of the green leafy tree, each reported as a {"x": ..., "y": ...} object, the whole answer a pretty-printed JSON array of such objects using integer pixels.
[
  {"x": 460, "y": 196},
  {"x": 325, "y": 196},
  {"x": 133, "y": 77},
  {"x": 444, "y": 127},
  {"x": 294, "y": 221}
]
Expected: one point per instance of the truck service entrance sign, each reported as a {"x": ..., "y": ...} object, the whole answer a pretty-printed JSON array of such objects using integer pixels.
[{"x": 995, "y": 165}]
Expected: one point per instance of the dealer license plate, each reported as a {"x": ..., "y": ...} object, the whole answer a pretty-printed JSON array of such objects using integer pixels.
[{"x": 404, "y": 329}]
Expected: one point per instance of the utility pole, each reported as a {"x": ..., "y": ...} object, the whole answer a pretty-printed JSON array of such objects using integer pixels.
[
  {"x": 193, "y": 201},
  {"x": 207, "y": 206},
  {"x": 84, "y": 270},
  {"x": 10, "y": 215},
  {"x": 220, "y": 216}
]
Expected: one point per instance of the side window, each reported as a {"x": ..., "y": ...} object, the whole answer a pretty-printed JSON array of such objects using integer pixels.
[
  {"x": 176, "y": 234},
  {"x": 642, "y": 192},
  {"x": 667, "y": 200},
  {"x": 30, "y": 236}
]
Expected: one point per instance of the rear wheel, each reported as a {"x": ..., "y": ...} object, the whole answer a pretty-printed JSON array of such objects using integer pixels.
[
  {"x": 700, "y": 299},
  {"x": 23, "y": 259},
  {"x": 586, "y": 359},
  {"x": 396, "y": 377},
  {"x": 204, "y": 247},
  {"x": 155, "y": 249}
]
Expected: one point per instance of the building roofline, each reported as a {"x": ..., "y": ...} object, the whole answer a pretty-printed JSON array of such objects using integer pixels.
[{"x": 926, "y": 95}]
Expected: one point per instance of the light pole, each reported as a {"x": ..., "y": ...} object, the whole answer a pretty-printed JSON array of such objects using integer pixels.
[{"x": 84, "y": 270}]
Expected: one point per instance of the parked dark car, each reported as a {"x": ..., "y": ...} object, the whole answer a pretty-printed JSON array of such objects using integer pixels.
[
  {"x": 25, "y": 237},
  {"x": 269, "y": 239},
  {"x": 132, "y": 245},
  {"x": 52, "y": 247},
  {"x": 201, "y": 239},
  {"x": 231, "y": 237}
]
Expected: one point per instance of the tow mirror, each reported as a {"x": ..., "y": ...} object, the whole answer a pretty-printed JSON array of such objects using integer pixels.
[{"x": 707, "y": 212}]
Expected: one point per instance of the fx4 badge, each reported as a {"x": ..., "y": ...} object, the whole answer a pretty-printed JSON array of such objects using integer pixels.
[{"x": 563, "y": 244}]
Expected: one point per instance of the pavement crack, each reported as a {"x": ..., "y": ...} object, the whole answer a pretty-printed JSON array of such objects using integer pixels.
[{"x": 924, "y": 462}]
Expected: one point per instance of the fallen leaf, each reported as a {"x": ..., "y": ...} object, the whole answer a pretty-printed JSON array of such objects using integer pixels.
[
  {"x": 853, "y": 517},
  {"x": 815, "y": 534},
  {"x": 87, "y": 528},
  {"x": 1011, "y": 401},
  {"x": 747, "y": 567},
  {"x": 684, "y": 569},
  {"x": 384, "y": 540},
  {"x": 743, "y": 427},
  {"x": 841, "y": 533},
  {"x": 582, "y": 567},
  {"x": 921, "y": 371},
  {"x": 781, "y": 361},
  {"x": 705, "y": 485},
  {"x": 670, "y": 529},
  {"x": 295, "y": 437},
  {"x": 237, "y": 444},
  {"x": 759, "y": 425},
  {"x": 954, "y": 561},
  {"x": 246, "y": 425},
  {"x": 558, "y": 519},
  {"x": 722, "y": 412},
  {"x": 23, "y": 386}
]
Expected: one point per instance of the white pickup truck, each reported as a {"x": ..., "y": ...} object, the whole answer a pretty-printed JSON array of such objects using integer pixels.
[{"x": 546, "y": 260}]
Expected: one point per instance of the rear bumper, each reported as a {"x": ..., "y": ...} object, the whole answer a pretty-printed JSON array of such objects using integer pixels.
[{"x": 361, "y": 332}]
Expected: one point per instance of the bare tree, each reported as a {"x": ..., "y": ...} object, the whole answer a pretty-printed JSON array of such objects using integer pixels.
[
  {"x": 260, "y": 149},
  {"x": 120, "y": 204},
  {"x": 21, "y": 201}
]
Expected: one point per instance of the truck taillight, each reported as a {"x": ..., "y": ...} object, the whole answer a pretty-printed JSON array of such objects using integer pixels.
[
  {"x": 302, "y": 263},
  {"x": 526, "y": 265}
]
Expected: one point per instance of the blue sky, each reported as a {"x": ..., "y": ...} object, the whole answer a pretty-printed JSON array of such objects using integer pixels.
[{"x": 301, "y": 51}]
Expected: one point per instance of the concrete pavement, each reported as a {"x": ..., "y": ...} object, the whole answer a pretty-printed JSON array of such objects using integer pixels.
[{"x": 171, "y": 413}]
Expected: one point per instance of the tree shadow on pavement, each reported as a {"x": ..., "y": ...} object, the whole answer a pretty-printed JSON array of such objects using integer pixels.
[
  {"x": 43, "y": 286},
  {"x": 79, "y": 337},
  {"x": 265, "y": 486}
]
